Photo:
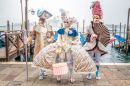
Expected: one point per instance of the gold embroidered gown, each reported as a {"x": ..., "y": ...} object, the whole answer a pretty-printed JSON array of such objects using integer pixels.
[
  {"x": 40, "y": 34},
  {"x": 82, "y": 61}
]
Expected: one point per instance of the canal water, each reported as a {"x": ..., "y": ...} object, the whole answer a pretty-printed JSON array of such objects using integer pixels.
[{"x": 113, "y": 56}]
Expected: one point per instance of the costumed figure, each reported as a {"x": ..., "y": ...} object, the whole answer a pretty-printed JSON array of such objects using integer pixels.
[
  {"x": 65, "y": 54},
  {"x": 97, "y": 37},
  {"x": 43, "y": 34}
]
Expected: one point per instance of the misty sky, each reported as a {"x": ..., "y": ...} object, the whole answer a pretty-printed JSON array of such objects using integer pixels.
[{"x": 114, "y": 11}]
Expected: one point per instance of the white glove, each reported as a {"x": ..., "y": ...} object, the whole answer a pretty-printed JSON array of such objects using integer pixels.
[
  {"x": 49, "y": 40},
  {"x": 74, "y": 42},
  {"x": 58, "y": 45}
]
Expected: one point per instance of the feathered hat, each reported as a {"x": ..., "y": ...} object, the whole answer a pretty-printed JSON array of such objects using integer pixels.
[
  {"x": 96, "y": 9},
  {"x": 43, "y": 14},
  {"x": 64, "y": 17}
]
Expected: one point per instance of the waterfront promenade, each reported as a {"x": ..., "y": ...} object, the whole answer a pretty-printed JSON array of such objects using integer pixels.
[{"x": 14, "y": 74}]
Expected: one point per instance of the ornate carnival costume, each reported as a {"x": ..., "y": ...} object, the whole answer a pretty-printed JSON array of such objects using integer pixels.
[
  {"x": 66, "y": 48},
  {"x": 42, "y": 32},
  {"x": 97, "y": 37}
]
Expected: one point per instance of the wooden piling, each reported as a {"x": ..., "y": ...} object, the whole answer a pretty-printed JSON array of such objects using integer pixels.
[
  {"x": 127, "y": 36},
  {"x": 112, "y": 32},
  {"x": 115, "y": 29},
  {"x": 124, "y": 30},
  {"x": 18, "y": 51},
  {"x": 115, "y": 32},
  {"x": 22, "y": 30},
  {"x": 83, "y": 32},
  {"x": 7, "y": 47},
  {"x": 112, "y": 29},
  {"x": 22, "y": 13},
  {"x": 8, "y": 26},
  {"x": 119, "y": 35},
  {"x": 12, "y": 26},
  {"x": 124, "y": 33},
  {"x": 83, "y": 25}
]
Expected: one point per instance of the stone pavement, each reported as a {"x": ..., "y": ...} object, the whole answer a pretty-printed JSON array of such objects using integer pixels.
[{"x": 15, "y": 75}]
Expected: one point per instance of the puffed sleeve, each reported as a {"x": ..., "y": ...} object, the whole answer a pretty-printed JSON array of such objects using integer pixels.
[{"x": 60, "y": 31}]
